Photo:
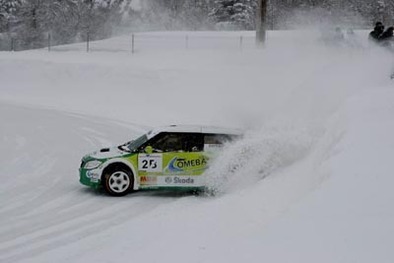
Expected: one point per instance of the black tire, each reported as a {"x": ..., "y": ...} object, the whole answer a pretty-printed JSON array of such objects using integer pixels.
[{"x": 118, "y": 182}]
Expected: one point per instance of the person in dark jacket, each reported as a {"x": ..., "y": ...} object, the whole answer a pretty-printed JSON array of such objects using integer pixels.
[
  {"x": 386, "y": 39},
  {"x": 388, "y": 34},
  {"x": 377, "y": 32}
]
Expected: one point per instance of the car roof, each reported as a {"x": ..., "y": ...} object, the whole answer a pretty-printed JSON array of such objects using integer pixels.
[{"x": 194, "y": 129}]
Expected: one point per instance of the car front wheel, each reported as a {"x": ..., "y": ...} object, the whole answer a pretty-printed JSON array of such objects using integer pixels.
[{"x": 118, "y": 182}]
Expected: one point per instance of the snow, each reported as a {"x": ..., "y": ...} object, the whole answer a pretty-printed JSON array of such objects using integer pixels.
[{"x": 310, "y": 182}]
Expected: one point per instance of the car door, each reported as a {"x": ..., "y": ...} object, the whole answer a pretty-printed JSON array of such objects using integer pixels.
[{"x": 176, "y": 160}]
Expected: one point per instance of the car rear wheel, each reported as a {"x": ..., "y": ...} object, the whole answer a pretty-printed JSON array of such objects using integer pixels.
[{"x": 118, "y": 182}]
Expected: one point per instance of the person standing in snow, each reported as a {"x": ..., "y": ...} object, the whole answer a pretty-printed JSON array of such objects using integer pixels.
[
  {"x": 386, "y": 39},
  {"x": 377, "y": 32},
  {"x": 387, "y": 35}
]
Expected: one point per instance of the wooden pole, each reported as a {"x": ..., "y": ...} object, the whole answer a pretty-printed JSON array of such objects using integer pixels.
[
  {"x": 132, "y": 43},
  {"x": 261, "y": 22},
  {"x": 87, "y": 42},
  {"x": 49, "y": 42}
]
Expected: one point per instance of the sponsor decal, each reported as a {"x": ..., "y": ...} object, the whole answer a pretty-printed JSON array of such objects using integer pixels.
[
  {"x": 179, "y": 180},
  {"x": 168, "y": 180},
  {"x": 150, "y": 162},
  {"x": 148, "y": 179},
  {"x": 182, "y": 164}
]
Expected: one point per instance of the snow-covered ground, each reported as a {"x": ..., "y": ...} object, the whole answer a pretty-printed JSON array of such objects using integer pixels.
[{"x": 314, "y": 172}]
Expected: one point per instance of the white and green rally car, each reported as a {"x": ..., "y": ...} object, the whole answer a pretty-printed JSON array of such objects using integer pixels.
[{"x": 169, "y": 157}]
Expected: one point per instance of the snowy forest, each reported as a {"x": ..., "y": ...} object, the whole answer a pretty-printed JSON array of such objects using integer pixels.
[{"x": 31, "y": 22}]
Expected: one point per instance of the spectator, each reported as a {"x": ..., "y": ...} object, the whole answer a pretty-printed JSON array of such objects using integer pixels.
[
  {"x": 386, "y": 38},
  {"x": 388, "y": 34},
  {"x": 377, "y": 32}
]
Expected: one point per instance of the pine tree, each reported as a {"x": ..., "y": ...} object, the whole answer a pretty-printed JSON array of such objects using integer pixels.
[
  {"x": 8, "y": 9},
  {"x": 222, "y": 11},
  {"x": 244, "y": 14},
  {"x": 37, "y": 18},
  {"x": 239, "y": 14}
]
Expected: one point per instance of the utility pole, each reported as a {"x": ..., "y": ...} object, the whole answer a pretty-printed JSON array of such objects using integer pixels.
[{"x": 261, "y": 22}]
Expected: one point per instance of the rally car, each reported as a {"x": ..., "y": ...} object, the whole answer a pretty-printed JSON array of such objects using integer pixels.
[{"x": 168, "y": 157}]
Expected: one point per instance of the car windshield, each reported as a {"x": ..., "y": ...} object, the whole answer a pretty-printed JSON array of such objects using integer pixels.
[{"x": 134, "y": 145}]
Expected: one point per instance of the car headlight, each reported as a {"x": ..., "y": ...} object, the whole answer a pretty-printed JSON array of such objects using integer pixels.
[{"x": 92, "y": 164}]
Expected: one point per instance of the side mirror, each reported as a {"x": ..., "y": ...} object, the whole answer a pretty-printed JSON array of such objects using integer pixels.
[{"x": 148, "y": 149}]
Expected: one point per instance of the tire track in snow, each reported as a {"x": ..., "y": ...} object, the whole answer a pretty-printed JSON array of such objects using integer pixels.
[
  {"x": 69, "y": 229},
  {"x": 43, "y": 206}
]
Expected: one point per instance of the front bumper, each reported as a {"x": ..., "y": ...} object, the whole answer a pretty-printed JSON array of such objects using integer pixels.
[{"x": 90, "y": 178}]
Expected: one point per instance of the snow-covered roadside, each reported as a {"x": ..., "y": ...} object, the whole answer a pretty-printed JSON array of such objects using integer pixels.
[{"x": 320, "y": 124}]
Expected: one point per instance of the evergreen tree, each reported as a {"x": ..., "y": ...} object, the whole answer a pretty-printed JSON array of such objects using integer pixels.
[
  {"x": 37, "y": 18},
  {"x": 239, "y": 14},
  {"x": 222, "y": 11},
  {"x": 244, "y": 14},
  {"x": 8, "y": 9}
]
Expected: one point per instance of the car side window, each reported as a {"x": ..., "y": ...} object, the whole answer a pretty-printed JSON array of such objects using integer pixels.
[
  {"x": 192, "y": 142},
  {"x": 214, "y": 142},
  {"x": 177, "y": 142},
  {"x": 216, "y": 138},
  {"x": 169, "y": 142}
]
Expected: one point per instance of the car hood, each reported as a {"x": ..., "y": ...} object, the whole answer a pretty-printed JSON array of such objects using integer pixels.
[{"x": 107, "y": 153}]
